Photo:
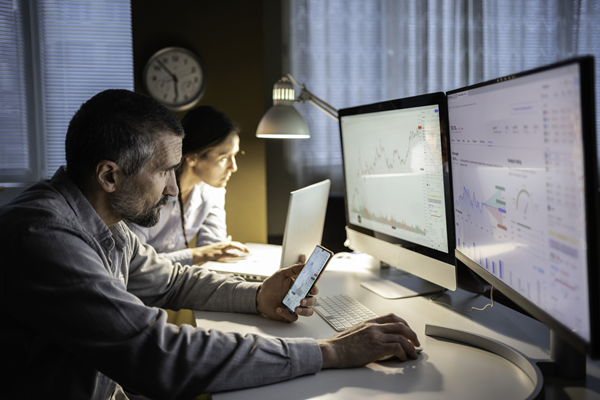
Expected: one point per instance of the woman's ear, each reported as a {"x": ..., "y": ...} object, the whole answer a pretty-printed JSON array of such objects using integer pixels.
[
  {"x": 108, "y": 175},
  {"x": 190, "y": 159}
]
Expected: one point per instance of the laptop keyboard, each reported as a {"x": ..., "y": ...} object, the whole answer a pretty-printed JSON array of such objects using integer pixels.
[
  {"x": 252, "y": 278},
  {"x": 342, "y": 311}
]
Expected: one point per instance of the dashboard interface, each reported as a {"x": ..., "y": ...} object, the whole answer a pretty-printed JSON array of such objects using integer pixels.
[{"x": 519, "y": 195}]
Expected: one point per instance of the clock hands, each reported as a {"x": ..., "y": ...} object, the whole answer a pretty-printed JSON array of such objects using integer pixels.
[
  {"x": 181, "y": 67},
  {"x": 189, "y": 72},
  {"x": 167, "y": 69},
  {"x": 175, "y": 80}
]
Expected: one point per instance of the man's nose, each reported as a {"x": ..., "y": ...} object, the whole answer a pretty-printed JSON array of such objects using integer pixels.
[{"x": 171, "y": 188}]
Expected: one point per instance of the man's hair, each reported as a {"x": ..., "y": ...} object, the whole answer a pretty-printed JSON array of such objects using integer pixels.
[{"x": 116, "y": 125}]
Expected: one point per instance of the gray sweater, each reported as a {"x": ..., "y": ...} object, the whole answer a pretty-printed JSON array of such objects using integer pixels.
[
  {"x": 81, "y": 311},
  {"x": 204, "y": 218}
]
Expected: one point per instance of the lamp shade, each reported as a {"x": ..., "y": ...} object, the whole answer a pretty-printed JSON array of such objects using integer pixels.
[{"x": 282, "y": 122}]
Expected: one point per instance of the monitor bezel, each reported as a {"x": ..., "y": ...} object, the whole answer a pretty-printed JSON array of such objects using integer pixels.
[
  {"x": 588, "y": 118},
  {"x": 439, "y": 99}
]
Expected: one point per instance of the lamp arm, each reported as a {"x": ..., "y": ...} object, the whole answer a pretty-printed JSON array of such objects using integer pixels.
[
  {"x": 324, "y": 109},
  {"x": 320, "y": 104},
  {"x": 307, "y": 95},
  {"x": 295, "y": 82}
]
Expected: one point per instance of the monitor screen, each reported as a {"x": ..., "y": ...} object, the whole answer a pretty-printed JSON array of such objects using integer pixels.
[
  {"x": 396, "y": 174},
  {"x": 525, "y": 189}
]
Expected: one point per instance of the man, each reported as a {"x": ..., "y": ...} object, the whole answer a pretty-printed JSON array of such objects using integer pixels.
[{"x": 81, "y": 295}]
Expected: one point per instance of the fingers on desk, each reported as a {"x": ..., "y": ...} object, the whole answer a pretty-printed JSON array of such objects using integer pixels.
[
  {"x": 399, "y": 328},
  {"x": 400, "y": 346}
]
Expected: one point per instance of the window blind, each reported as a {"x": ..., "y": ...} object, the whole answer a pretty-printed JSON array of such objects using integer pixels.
[
  {"x": 85, "y": 47},
  {"x": 55, "y": 55},
  {"x": 14, "y": 139},
  {"x": 338, "y": 50}
]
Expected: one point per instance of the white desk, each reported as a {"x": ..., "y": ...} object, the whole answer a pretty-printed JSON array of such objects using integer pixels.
[{"x": 445, "y": 370}]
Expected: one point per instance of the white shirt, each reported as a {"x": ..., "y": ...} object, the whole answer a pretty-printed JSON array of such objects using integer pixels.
[{"x": 204, "y": 216}]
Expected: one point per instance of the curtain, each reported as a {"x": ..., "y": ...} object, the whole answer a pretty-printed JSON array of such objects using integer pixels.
[{"x": 354, "y": 52}]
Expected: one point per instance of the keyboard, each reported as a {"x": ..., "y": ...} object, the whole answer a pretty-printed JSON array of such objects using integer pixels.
[{"x": 342, "y": 311}]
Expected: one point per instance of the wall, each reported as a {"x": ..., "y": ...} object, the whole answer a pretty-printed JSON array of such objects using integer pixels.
[{"x": 228, "y": 37}]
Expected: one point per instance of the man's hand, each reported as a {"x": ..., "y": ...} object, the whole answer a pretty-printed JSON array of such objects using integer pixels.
[
  {"x": 217, "y": 251},
  {"x": 273, "y": 290},
  {"x": 370, "y": 341}
]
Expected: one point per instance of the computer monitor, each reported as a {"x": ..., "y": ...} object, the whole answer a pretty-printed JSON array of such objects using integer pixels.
[
  {"x": 397, "y": 190},
  {"x": 524, "y": 171}
]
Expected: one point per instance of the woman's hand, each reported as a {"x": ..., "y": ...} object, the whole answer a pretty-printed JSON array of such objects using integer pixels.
[{"x": 218, "y": 251}]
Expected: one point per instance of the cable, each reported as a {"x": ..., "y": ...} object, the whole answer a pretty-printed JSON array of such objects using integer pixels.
[{"x": 491, "y": 304}]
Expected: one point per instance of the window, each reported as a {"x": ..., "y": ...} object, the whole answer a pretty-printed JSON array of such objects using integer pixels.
[
  {"x": 54, "y": 55},
  {"x": 15, "y": 148},
  {"x": 353, "y": 52}
]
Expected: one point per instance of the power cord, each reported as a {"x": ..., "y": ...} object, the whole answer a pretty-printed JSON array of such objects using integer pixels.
[{"x": 491, "y": 304}]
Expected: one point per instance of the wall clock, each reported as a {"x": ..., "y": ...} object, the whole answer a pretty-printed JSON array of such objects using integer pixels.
[{"x": 175, "y": 77}]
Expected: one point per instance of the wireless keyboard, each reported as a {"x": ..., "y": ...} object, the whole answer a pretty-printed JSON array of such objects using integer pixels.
[{"x": 342, "y": 311}]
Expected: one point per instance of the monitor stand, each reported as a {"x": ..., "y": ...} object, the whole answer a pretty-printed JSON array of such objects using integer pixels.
[
  {"x": 422, "y": 274},
  {"x": 396, "y": 284},
  {"x": 566, "y": 361}
]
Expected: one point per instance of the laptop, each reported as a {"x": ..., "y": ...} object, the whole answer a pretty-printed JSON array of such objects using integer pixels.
[{"x": 303, "y": 231}]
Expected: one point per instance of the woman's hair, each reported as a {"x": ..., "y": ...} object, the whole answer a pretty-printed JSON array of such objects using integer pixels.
[{"x": 205, "y": 128}]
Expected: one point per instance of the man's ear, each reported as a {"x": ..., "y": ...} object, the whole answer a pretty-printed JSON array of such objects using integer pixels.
[{"x": 108, "y": 175}]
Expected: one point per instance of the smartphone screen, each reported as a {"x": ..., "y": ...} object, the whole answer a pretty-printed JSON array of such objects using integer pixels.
[{"x": 307, "y": 278}]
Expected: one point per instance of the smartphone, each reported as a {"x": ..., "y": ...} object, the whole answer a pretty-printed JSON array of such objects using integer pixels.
[{"x": 311, "y": 272}]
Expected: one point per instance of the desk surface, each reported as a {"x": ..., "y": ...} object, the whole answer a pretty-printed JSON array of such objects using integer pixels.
[{"x": 444, "y": 370}]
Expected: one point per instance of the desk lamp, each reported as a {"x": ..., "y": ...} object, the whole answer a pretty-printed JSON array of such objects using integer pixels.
[{"x": 283, "y": 121}]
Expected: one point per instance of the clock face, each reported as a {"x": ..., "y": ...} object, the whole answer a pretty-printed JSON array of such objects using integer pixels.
[{"x": 175, "y": 77}]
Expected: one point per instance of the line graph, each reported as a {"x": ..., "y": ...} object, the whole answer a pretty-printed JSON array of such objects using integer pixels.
[
  {"x": 381, "y": 159},
  {"x": 383, "y": 172},
  {"x": 495, "y": 205},
  {"x": 472, "y": 200}
]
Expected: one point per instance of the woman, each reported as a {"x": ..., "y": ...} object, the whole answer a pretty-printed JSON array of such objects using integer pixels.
[{"x": 209, "y": 148}]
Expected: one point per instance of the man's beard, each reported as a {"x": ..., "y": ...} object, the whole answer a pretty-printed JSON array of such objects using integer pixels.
[{"x": 126, "y": 204}]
